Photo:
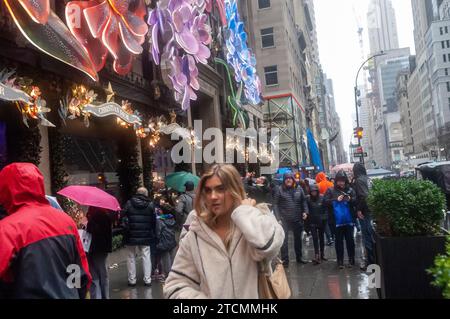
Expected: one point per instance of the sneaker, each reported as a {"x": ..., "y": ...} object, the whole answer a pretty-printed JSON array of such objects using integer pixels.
[
  {"x": 340, "y": 265},
  {"x": 323, "y": 258},
  {"x": 301, "y": 261},
  {"x": 131, "y": 284},
  {"x": 148, "y": 284},
  {"x": 330, "y": 243}
]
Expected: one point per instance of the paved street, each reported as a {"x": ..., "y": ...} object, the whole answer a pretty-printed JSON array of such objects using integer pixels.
[{"x": 307, "y": 281}]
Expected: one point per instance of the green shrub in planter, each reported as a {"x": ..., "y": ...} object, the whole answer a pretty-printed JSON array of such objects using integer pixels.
[
  {"x": 441, "y": 271},
  {"x": 406, "y": 207}
]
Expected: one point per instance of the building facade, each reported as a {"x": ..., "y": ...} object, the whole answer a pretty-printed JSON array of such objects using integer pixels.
[
  {"x": 382, "y": 26},
  {"x": 285, "y": 44}
]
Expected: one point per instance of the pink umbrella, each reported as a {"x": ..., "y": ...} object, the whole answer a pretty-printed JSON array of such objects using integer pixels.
[{"x": 90, "y": 196}]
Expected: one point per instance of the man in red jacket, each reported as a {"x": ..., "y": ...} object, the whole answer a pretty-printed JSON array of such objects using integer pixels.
[{"x": 41, "y": 254}]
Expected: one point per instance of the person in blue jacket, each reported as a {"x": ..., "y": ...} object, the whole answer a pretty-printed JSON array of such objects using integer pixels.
[{"x": 340, "y": 201}]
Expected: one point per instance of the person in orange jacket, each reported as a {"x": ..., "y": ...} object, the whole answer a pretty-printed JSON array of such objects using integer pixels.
[{"x": 323, "y": 183}]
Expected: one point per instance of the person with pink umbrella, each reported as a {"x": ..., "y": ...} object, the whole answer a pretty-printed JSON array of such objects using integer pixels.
[{"x": 99, "y": 226}]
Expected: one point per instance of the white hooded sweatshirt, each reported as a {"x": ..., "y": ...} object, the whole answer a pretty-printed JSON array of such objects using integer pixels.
[{"x": 203, "y": 268}]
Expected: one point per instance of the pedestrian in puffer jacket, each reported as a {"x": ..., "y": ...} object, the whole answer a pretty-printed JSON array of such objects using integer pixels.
[
  {"x": 139, "y": 221},
  {"x": 361, "y": 186},
  {"x": 318, "y": 219},
  {"x": 291, "y": 208},
  {"x": 166, "y": 244},
  {"x": 340, "y": 201}
]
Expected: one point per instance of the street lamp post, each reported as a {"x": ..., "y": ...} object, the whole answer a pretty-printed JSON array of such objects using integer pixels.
[{"x": 357, "y": 93}]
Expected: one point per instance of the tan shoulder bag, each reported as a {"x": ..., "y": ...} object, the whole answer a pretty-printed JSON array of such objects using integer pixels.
[{"x": 273, "y": 285}]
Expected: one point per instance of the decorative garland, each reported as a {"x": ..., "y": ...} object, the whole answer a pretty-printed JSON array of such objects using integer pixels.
[
  {"x": 29, "y": 144},
  {"x": 147, "y": 166},
  {"x": 26, "y": 97},
  {"x": 128, "y": 169}
]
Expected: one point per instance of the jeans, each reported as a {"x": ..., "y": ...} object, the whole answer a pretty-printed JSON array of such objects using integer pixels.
[
  {"x": 297, "y": 229},
  {"x": 367, "y": 235},
  {"x": 318, "y": 234},
  {"x": 146, "y": 262},
  {"x": 345, "y": 232},
  {"x": 100, "y": 281}
]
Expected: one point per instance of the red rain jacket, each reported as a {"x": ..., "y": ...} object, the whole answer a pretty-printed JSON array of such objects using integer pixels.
[{"x": 37, "y": 242}]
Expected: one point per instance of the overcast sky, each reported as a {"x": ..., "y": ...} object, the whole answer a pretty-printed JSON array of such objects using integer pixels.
[{"x": 340, "y": 52}]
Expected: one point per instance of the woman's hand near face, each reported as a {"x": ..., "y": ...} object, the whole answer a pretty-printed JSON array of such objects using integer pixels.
[{"x": 248, "y": 202}]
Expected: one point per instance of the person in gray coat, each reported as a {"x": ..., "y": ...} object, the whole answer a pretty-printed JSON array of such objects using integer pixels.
[
  {"x": 185, "y": 204},
  {"x": 290, "y": 206}
]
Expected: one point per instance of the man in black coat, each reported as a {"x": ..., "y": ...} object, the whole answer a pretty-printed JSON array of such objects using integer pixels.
[
  {"x": 290, "y": 206},
  {"x": 361, "y": 187},
  {"x": 139, "y": 221}
]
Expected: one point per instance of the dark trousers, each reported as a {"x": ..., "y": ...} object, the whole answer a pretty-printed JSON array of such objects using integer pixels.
[
  {"x": 328, "y": 232},
  {"x": 100, "y": 278},
  {"x": 344, "y": 232},
  {"x": 297, "y": 229},
  {"x": 332, "y": 228},
  {"x": 367, "y": 234},
  {"x": 318, "y": 235}
]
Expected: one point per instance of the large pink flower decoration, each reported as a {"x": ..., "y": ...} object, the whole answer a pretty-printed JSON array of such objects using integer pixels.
[{"x": 114, "y": 26}]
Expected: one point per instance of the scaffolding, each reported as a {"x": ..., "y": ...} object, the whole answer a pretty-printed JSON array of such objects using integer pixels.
[{"x": 283, "y": 112}]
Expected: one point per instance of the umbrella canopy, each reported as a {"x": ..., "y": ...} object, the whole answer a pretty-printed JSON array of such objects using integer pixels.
[
  {"x": 90, "y": 196},
  {"x": 178, "y": 179},
  {"x": 347, "y": 167}
]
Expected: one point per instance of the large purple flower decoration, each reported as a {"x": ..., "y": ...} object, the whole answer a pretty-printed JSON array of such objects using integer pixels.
[{"x": 181, "y": 34}]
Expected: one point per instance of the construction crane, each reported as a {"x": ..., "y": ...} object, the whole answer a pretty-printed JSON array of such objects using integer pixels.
[{"x": 360, "y": 31}]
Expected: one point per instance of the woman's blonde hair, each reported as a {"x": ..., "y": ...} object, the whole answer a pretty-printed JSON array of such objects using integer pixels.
[{"x": 232, "y": 183}]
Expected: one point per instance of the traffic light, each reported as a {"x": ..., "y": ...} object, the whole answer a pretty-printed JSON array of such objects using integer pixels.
[{"x": 358, "y": 133}]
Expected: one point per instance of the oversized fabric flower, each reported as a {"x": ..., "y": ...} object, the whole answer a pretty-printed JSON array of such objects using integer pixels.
[
  {"x": 109, "y": 26},
  {"x": 180, "y": 29},
  {"x": 45, "y": 30},
  {"x": 239, "y": 55}
]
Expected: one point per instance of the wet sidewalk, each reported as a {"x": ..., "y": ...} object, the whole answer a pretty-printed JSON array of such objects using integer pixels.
[{"x": 324, "y": 281}]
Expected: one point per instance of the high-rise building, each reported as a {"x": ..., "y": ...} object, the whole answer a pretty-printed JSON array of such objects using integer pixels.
[
  {"x": 285, "y": 44},
  {"x": 405, "y": 112},
  {"x": 281, "y": 65},
  {"x": 382, "y": 26},
  {"x": 430, "y": 63},
  {"x": 388, "y": 127},
  {"x": 438, "y": 55},
  {"x": 380, "y": 112}
]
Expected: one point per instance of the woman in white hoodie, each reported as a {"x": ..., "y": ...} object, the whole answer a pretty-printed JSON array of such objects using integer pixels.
[{"x": 227, "y": 238}]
